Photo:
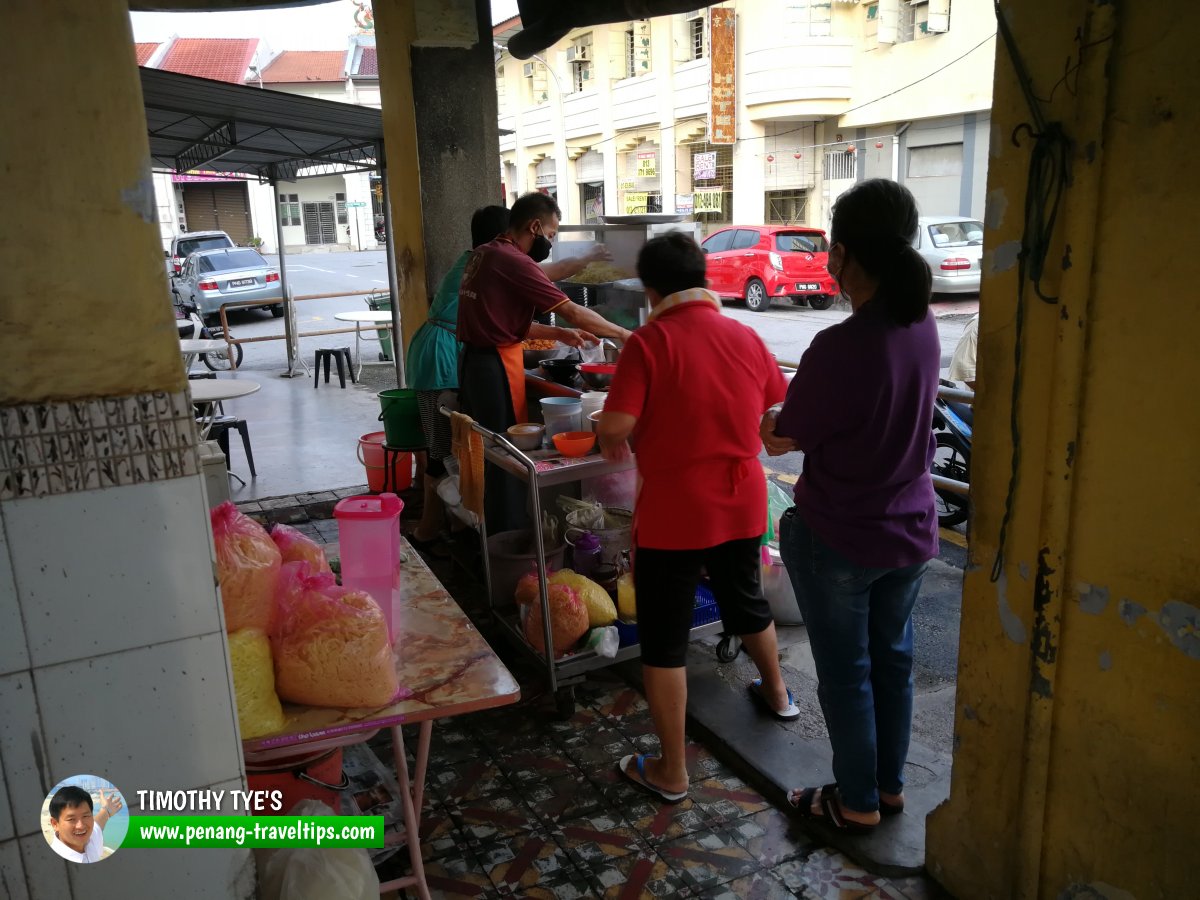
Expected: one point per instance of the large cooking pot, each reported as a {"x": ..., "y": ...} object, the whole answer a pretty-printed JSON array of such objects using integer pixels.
[
  {"x": 598, "y": 375},
  {"x": 562, "y": 371}
]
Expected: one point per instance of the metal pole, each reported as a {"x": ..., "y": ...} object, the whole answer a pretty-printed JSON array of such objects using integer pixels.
[
  {"x": 288, "y": 309},
  {"x": 393, "y": 278}
]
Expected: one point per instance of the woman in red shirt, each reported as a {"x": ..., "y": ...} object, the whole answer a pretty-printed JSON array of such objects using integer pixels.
[{"x": 690, "y": 388}]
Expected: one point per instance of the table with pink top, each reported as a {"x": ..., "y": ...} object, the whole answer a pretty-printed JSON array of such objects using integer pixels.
[{"x": 445, "y": 669}]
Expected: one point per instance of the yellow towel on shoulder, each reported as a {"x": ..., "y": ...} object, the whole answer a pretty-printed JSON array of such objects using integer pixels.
[{"x": 468, "y": 450}]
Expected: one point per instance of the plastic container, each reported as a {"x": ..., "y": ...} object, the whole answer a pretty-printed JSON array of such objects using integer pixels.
[
  {"x": 593, "y": 402},
  {"x": 585, "y": 556},
  {"x": 510, "y": 555},
  {"x": 369, "y": 548},
  {"x": 561, "y": 414},
  {"x": 615, "y": 536},
  {"x": 401, "y": 418},
  {"x": 307, "y": 776},
  {"x": 373, "y": 458},
  {"x": 526, "y": 436},
  {"x": 574, "y": 443}
]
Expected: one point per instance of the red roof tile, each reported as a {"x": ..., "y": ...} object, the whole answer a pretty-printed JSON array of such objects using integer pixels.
[
  {"x": 221, "y": 59},
  {"x": 144, "y": 52},
  {"x": 292, "y": 66},
  {"x": 368, "y": 63}
]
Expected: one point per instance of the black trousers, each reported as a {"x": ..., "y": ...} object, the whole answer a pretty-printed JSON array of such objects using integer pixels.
[{"x": 484, "y": 396}]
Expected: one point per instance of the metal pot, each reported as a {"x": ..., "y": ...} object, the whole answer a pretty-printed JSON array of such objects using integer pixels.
[
  {"x": 598, "y": 375},
  {"x": 561, "y": 371}
]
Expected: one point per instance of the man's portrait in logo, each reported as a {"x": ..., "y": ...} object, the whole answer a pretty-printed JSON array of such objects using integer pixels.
[{"x": 84, "y": 819}]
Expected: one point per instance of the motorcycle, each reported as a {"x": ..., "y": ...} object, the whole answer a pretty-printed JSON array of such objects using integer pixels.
[
  {"x": 191, "y": 325},
  {"x": 952, "y": 457}
]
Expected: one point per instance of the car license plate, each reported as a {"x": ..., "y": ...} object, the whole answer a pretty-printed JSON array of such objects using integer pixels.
[
  {"x": 807, "y": 286},
  {"x": 241, "y": 282}
]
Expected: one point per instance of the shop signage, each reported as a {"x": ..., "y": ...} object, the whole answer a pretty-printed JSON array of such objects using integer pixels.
[
  {"x": 721, "y": 117},
  {"x": 647, "y": 165},
  {"x": 704, "y": 166},
  {"x": 634, "y": 203},
  {"x": 204, "y": 175},
  {"x": 354, "y": 205},
  {"x": 627, "y": 185},
  {"x": 706, "y": 201},
  {"x": 683, "y": 204}
]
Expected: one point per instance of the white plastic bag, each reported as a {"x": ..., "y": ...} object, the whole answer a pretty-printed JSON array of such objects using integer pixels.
[
  {"x": 605, "y": 641},
  {"x": 316, "y": 873}
]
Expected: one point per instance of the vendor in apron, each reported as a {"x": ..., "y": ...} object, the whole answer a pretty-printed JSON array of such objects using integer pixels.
[{"x": 503, "y": 289}]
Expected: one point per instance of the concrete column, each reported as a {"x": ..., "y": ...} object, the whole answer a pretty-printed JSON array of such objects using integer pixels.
[
  {"x": 113, "y": 659},
  {"x": 749, "y": 173}
]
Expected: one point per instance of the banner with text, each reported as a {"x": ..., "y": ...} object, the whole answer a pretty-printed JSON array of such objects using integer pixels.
[
  {"x": 707, "y": 201},
  {"x": 721, "y": 118},
  {"x": 634, "y": 203},
  {"x": 647, "y": 165}
]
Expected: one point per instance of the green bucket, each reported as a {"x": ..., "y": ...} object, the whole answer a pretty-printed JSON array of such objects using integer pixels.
[{"x": 401, "y": 418}]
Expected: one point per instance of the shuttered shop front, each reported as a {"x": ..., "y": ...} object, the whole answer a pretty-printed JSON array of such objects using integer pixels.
[{"x": 219, "y": 207}]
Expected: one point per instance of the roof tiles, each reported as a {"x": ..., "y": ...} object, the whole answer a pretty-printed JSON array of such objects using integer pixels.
[
  {"x": 220, "y": 59},
  {"x": 294, "y": 66}
]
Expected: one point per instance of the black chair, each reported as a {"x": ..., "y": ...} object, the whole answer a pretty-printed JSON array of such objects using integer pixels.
[
  {"x": 219, "y": 432},
  {"x": 340, "y": 355}
]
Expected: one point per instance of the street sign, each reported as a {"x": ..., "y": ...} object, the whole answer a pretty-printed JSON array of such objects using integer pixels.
[{"x": 354, "y": 205}]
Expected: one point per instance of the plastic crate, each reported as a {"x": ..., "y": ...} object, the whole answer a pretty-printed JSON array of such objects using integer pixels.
[
  {"x": 627, "y": 632},
  {"x": 706, "y": 610}
]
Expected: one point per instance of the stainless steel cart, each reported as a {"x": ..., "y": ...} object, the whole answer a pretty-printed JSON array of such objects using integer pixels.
[{"x": 561, "y": 674}]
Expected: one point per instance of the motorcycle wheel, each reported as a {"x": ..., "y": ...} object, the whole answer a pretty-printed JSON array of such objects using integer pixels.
[
  {"x": 219, "y": 361},
  {"x": 949, "y": 462}
]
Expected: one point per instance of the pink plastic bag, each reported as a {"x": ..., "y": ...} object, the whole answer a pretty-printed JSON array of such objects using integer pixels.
[
  {"x": 330, "y": 644},
  {"x": 295, "y": 547},
  {"x": 247, "y": 566}
]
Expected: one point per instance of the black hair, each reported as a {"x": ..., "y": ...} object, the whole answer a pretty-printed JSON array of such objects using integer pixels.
[
  {"x": 671, "y": 263},
  {"x": 876, "y": 221},
  {"x": 68, "y": 796},
  {"x": 488, "y": 224},
  {"x": 532, "y": 206}
]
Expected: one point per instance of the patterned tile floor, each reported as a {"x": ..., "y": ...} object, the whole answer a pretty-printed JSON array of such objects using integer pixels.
[{"x": 520, "y": 805}]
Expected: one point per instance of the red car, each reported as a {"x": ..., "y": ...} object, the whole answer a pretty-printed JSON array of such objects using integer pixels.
[{"x": 760, "y": 262}]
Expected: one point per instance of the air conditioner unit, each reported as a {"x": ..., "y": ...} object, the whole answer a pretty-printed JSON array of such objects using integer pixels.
[
  {"x": 577, "y": 54},
  {"x": 527, "y": 70},
  {"x": 694, "y": 14}
]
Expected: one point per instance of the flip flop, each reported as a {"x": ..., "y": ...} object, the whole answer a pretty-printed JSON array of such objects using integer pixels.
[
  {"x": 831, "y": 809},
  {"x": 640, "y": 780},
  {"x": 784, "y": 715},
  {"x": 890, "y": 809}
]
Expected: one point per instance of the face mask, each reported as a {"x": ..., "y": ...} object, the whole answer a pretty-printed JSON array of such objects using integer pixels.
[{"x": 541, "y": 248}]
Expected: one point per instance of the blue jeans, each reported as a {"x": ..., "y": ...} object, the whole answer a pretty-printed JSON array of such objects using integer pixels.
[{"x": 859, "y": 623}]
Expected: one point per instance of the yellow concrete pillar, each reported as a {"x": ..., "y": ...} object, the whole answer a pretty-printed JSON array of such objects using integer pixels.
[
  {"x": 1077, "y": 742},
  {"x": 395, "y": 32},
  {"x": 84, "y": 309}
]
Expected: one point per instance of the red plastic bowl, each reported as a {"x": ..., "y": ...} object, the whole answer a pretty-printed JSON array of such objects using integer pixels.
[{"x": 574, "y": 443}]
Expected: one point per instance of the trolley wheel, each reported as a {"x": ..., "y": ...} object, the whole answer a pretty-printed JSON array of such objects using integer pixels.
[
  {"x": 564, "y": 703},
  {"x": 729, "y": 648}
]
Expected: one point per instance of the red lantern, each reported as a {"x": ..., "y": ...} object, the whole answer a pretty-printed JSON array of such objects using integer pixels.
[
  {"x": 879, "y": 145},
  {"x": 797, "y": 155},
  {"x": 770, "y": 157}
]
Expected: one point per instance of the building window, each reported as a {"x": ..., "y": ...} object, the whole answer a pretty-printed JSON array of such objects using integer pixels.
[
  {"x": 501, "y": 94},
  {"x": 581, "y": 75},
  {"x": 935, "y": 161},
  {"x": 786, "y": 208},
  {"x": 579, "y": 55},
  {"x": 289, "y": 209},
  {"x": 901, "y": 21},
  {"x": 637, "y": 48},
  {"x": 341, "y": 208},
  {"x": 710, "y": 167},
  {"x": 696, "y": 30},
  {"x": 809, "y": 18},
  {"x": 630, "y": 69},
  {"x": 840, "y": 164}
]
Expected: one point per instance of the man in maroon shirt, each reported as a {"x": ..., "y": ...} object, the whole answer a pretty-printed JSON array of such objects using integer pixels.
[
  {"x": 690, "y": 389},
  {"x": 502, "y": 290}
]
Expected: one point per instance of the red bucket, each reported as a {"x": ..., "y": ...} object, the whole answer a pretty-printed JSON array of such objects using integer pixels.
[
  {"x": 311, "y": 776},
  {"x": 371, "y": 454}
]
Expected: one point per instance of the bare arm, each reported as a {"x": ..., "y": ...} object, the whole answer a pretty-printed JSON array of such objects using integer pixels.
[
  {"x": 572, "y": 337},
  {"x": 582, "y": 317},
  {"x": 613, "y": 430}
]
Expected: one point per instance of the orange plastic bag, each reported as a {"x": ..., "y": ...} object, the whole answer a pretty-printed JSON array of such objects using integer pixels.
[
  {"x": 330, "y": 644},
  {"x": 568, "y": 620},
  {"x": 247, "y": 566},
  {"x": 295, "y": 547}
]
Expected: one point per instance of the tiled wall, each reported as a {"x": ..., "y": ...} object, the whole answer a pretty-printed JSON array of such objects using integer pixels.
[{"x": 112, "y": 653}]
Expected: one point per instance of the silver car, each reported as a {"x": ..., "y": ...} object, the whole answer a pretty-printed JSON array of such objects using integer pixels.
[
  {"x": 953, "y": 247},
  {"x": 210, "y": 278}
]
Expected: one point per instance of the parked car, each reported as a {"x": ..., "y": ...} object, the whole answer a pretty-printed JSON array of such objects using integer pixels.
[
  {"x": 758, "y": 263},
  {"x": 184, "y": 245},
  {"x": 953, "y": 247},
  {"x": 212, "y": 277}
]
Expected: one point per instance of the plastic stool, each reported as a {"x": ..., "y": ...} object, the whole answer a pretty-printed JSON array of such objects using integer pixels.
[
  {"x": 219, "y": 432},
  {"x": 340, "y": 355}
]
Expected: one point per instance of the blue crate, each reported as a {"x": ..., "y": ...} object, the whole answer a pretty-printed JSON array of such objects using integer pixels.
[
  {"x": 627, "y": 632},
  {"x": 706, "y": 610}
]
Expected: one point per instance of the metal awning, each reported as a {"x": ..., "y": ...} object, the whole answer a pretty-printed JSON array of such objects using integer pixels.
[{"x": 195, "y": 123}]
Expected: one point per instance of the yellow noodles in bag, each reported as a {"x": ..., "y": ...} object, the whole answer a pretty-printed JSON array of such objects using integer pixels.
[{"x": 258, "y": 706}]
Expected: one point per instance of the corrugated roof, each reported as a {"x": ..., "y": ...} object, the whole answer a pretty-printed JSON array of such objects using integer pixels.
[
  {"x": 144, "y": 52},
  {"x": 293, "y": 66},
  {"x": 219, "y": 59},
  {"x": 368, "y": 64}
]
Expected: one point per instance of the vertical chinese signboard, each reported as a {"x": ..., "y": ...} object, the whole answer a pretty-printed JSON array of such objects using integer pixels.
[{"x": 722, "y": 114}]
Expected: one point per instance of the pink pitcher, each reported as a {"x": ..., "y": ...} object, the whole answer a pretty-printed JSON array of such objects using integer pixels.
[{"x": 369, "y": 542}]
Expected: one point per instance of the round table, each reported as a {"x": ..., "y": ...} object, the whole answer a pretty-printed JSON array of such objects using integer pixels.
[
  {"x": 380, "y": 318},
  {"x": 214, "y": 390}
]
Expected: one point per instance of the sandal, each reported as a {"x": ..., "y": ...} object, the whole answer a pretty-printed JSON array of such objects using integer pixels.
[
  {"x": 784, "y": 715},
  {"x": 640, "y": 779},
  {"x": 890, "y": 809},
  {"x": 831, "y": 809}
]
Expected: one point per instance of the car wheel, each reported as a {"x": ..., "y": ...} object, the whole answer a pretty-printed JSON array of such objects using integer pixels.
[
  {"x": 276, "y": 310},
  {"x": 756, "y": 296},
  {"x": 821, "y": 301}
]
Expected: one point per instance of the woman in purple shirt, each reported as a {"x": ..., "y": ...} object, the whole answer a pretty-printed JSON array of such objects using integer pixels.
[{"x": 863, "y": 529}]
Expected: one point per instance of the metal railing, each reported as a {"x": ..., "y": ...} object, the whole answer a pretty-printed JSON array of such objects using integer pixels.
[{"x": 295, "y": 336}]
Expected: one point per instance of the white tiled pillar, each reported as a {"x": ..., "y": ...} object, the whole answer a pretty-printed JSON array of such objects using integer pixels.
[{"x": 113, "y": 659}]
